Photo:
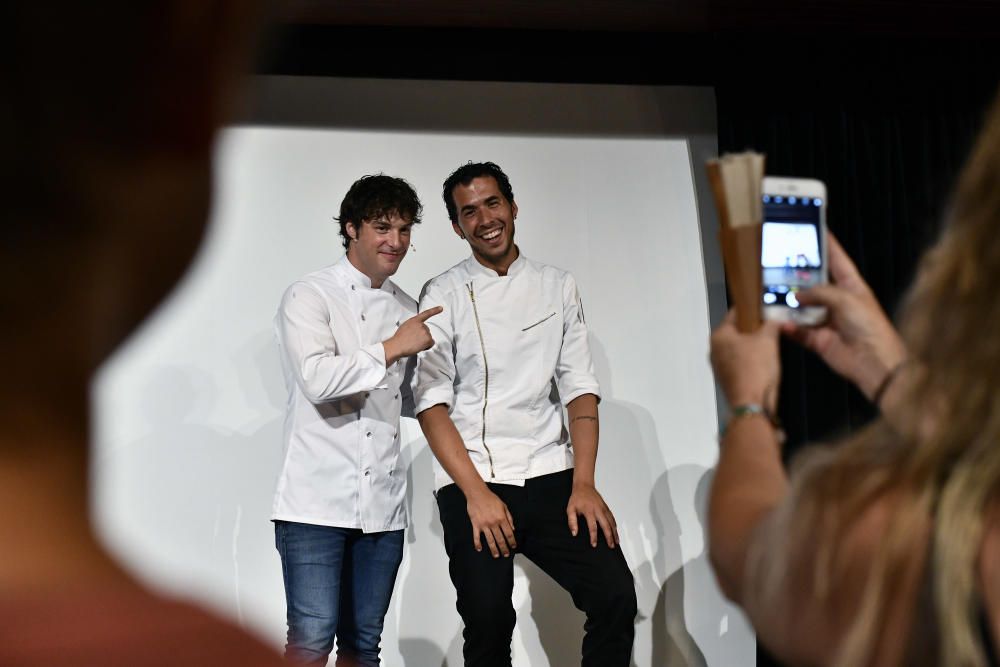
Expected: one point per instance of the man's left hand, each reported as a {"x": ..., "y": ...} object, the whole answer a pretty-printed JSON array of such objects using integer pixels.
[{"x": 586, "y": 501}]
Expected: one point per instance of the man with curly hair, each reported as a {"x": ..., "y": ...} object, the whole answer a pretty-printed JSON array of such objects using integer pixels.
[{"x": 347, "y": 334}]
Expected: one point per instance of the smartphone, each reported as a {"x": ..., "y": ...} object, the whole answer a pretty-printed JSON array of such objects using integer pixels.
[{"x": 793, "y": 247}]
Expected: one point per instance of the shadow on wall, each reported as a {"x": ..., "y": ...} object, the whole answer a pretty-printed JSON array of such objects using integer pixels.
[
  {"x": 559, "y": 623},
  {"x": 421, "y": 594},
  {"x": 672, "y": 643},
  {"x": 212, "y": 523},
  {"x": 633, "y": 477},
  {"x": 419, "y": 652}
]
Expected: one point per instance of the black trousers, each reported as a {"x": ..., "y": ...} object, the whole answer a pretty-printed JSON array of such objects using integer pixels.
[{"x": 598, "y": 579}]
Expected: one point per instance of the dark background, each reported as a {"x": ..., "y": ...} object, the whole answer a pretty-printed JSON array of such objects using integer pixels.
[{"x": 881, "y": 99}]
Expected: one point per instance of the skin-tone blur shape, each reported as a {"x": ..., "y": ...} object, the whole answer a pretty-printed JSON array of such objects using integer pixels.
[
  {"x": 110, "y": 191},
  {"x": 139, "y": 210}
]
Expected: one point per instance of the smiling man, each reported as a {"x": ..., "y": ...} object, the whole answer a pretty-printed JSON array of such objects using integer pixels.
[
  {"x": 509, "y": 352},
  {"x": 345, "y": 332}
]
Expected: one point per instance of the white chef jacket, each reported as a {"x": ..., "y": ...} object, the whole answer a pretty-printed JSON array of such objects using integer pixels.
[
  {"x": 341, "y": 439},
  {"x": 509, "y": 352}
]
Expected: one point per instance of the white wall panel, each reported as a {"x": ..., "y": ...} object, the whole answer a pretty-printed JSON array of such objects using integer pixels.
[{"x": 188, "y": 416}]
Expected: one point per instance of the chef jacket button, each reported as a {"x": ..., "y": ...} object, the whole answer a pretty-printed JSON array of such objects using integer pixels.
[
  {"x": 353, "y": 287},
  {"x": 397, "y": 323},
  {"x": 395, "y": 434},
  {"x": 394, "y": 292},
  {"x": 368, "y": 434},
  {"x": 367, "y": 472},
  {"x": 396, "y": 396},
  {"x": 390, "y": 473},
  {"x": 362, "y": 317}
]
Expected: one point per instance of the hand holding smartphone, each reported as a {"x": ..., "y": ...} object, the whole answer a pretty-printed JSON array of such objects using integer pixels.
[{"x": 793, "y": 247}]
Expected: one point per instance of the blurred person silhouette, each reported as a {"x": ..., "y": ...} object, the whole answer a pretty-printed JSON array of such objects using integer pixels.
[
  {"x": 883, "y": 550},
  {"x": 108, "y": 117}
]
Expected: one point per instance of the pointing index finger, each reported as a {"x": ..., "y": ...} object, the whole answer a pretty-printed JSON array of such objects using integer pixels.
[{"x": 429, "y": 313}]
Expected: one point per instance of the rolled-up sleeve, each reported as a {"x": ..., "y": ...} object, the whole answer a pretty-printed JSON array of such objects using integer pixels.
[
  {"x": 306, "y": 335},
  {"x": 434, "y": 377},
  {"x": 575, "y": 374}
]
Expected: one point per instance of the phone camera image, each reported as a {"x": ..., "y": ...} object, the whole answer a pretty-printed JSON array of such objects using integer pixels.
[{"x": 791, "y": 255}]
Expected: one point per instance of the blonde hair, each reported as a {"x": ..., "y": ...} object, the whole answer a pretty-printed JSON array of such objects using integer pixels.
[{"x": 944, "y": 461}]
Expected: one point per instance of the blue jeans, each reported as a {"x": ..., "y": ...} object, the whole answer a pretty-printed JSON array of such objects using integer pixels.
[{"x": 338, "y": 582}]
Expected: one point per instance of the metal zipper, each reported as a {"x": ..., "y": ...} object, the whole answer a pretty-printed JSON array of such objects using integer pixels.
[{"x": 486, "y": 368}]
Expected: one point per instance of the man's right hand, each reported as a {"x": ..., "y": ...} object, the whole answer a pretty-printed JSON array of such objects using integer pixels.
[
  {"x": 488, "y": 515},
  {"x": 491, "y": 519},
  {"x": 411, "y": 337},
  {"x": 857, "y": 341}
]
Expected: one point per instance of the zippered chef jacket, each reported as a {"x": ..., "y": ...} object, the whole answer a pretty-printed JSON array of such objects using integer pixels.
[
  {"x": 341, "y": 460},
  {"x": 509, "y": 352}
]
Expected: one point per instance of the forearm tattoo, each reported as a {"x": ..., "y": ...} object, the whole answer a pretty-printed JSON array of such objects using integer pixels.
[{"x": 590, "y": 417}]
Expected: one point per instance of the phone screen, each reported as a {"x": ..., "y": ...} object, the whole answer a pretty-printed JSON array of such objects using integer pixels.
[{"x": 791, "y": 255}]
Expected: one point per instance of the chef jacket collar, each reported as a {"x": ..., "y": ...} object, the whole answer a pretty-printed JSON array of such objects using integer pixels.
[
  {"x": 475, "y": 268},
  {"x": 356, "y": 277}
]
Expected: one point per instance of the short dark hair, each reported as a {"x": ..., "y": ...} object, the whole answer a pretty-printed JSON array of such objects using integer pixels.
[
  {"x": 464, "y": 175},
  {"x": 372, "y": 197}
]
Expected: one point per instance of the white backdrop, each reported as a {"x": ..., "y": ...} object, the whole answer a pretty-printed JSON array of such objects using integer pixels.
[{"x": 188, "y": 416}]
